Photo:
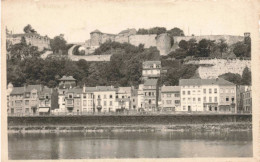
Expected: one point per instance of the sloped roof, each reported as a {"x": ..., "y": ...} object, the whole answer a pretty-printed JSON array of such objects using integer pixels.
[
  {"x": 17, "y": 90},
  {"x": 150, "y": 82},
  {"x": 75, "y": 90},
  {"x": 31, "y": 87},
  {"x": 124, "y": 89},
  {"x": 100, "y": 88},
  {"x": 151, "y": 62},
  {"x": 171, "y": 88},
  {"x": 67, "y": 78},
  {"x": 218, "y": 81}
]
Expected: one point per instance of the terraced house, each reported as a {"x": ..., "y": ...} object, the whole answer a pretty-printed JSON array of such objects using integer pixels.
[
  {"x": 170, "y": 98},
  {"x": 31, "y": 99},
  {"x": 211, "y": 95}
]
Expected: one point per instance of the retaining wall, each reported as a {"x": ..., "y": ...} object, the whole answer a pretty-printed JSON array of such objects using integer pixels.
[{"x": 123, "y": 119}]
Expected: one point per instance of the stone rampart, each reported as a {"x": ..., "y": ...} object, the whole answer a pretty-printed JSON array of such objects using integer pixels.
[
  {"x": 230, "y": 39},
  {"x": 212, "y": 68},
  {"x": 90, "y": 57},
  {"x": 147, "y": 40}
]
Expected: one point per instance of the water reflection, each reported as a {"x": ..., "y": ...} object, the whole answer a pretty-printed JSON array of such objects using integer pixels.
[{"x": 129, "y": 145}]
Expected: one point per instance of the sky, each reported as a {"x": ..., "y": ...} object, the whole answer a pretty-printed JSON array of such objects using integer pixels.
[{"x": 76, "y": 19}]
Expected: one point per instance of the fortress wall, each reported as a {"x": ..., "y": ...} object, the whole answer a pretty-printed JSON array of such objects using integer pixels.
[
  {"x": 107, "y": 37},
  {"x": 122, "y": 39},
  {"x": 220, "y": 66},
  {"x": 163, "y": 43},
  {"x": 91, "y": 57},
  {"x": 230, "y": 39},
  {"x": 147, "y": 40}
]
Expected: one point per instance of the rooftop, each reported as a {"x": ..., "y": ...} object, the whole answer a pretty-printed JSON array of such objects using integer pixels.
[
  {"x": 66, "y": 78},
  {"x": 151, "y": 62},
  {"x": 150, "y": 82},
  {"x": 171, "y": 88},
  {"x": 123, "y": 89},
  {"x": 218, "y": 81},
  {"x": 75, "y": 90},
  {"x": 100, "y": 88},
  {"x": 17, "y": 90}
]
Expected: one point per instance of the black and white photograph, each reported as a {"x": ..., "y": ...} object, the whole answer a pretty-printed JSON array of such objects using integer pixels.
[{"x": 129, "y": 79}]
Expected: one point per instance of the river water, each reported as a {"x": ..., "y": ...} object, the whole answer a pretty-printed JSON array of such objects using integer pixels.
[{"x": 129, "y": 145}]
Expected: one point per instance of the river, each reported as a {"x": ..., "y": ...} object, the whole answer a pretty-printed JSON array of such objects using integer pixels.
[{"x": 129, "y": 145}]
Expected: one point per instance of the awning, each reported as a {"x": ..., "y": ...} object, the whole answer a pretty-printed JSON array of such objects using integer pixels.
[{"x": 44, "y": 109}]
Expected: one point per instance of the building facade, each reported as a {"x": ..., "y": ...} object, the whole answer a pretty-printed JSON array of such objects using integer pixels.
[
  {"x": 208, "y": 95},
  {"x": 151, "y": 70},
  {"x": 170, "y": 98},
  {"x": 150, "y": 95}
]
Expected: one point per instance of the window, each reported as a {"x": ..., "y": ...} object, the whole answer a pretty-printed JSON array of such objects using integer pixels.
[
  {"x": 176, "y": 95},
  {"x": 204, "y": 91},
  {"x": 216, "y": 99},
  {"x": 183, "y": 92},
  {"x": 84, "y": 103},
  {"x": 133, "y": 100},
  {"x": 149, "y": 93},
  {"x": 188, "y": 99},
  {"x": 26, "y": 102},
  {"x": 199, "y": 99},
  {"x": 111, "y": 96},
  {"x": 123, "y": 96},
  {"x": 168, "y": 101},
  {"x": 69, "y": 102},
  {"x": 168, "y": 95},
  {"x": 194, "y": 99},
  {"x": 227, "y": 99},
  {"x": 232, "y": 99},
  {"x": 204, "y": 99},
  {"x": 215, "y": 90},
  {"x": 46, "y": 96},
  {"x": 84, "y": 96},
  {"x": 105, "y": 103},
  {"x": 98, "y": 96},
  {"x": 177, "y": 101},
  {"x": 210, "y": 91},
  {"x": 150, "y": 101},
  {"x": 232, "y": 90},
  {"x": 27, "y": 110},
  {"x": 210, "y": 99},
  {"x": 70, "y": 95},
  {"x": 184, "y": 107},
  {"x": 188, "y": 92},
  {"x": 105, "y": 96}
]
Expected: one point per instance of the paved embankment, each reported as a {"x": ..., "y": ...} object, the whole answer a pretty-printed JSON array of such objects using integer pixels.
[{"x": 128, "y": 119}]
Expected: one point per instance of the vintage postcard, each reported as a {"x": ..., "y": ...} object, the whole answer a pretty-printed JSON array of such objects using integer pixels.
[{"x": 130, "y": 80}]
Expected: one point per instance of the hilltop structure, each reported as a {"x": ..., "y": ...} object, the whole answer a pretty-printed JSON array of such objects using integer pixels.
[
  {"x": 164, "y": 42},
  {"x": 34, "y": 39}
]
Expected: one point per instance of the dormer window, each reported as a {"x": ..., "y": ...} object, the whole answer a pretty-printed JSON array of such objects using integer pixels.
[{"x": 70, "y": 96}]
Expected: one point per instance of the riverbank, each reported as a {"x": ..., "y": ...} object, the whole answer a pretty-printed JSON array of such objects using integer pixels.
[{"x": 242, "y": 126}]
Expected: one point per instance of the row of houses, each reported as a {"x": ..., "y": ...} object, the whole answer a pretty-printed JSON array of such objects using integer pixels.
[{"x": 192, "y": 95}]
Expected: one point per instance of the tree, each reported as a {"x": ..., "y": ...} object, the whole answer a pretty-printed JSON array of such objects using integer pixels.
[
  {"x": 58, "y": 44},
  {"x": 176, "y": 32},
  {"x": 203, "y": 48},
  {"x": 183, "y": 44},
  {"x": 28, "y": 29},
  {"x": 223, "y": 46},
  {"x": 192, "y": 47},
  {"x": 246, "y": 77},
  {"x": 240, "y": 49},
  {"x": 232, "y": 77}
]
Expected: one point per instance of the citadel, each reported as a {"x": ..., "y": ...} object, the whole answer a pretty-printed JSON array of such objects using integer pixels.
[{"x": 163, "y": 42}]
